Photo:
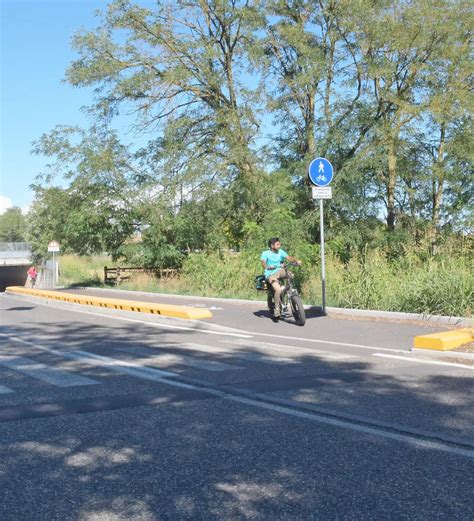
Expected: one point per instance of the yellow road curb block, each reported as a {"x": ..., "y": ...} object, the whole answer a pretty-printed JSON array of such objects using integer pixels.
[
  {"x": 444, "y": 341},
  {"x": 168, "y": 310}
]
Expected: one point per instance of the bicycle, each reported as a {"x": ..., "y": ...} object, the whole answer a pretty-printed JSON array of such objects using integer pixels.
[{"x": 289, "y": 298}]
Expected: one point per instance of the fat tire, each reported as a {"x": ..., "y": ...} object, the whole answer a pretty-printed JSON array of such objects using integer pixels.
[
  {"x": 298, "y": 310},
  {"x": 270, "y": 303}
]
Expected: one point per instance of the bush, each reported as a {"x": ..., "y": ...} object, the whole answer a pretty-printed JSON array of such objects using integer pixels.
[
  {"x": 442, "y": 286},
  {"x": 371, "y": 279},
  {"x": 79, "y": 270}
]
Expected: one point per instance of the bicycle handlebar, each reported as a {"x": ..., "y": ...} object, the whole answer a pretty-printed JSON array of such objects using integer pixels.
[{"x": 291, "y": 263}]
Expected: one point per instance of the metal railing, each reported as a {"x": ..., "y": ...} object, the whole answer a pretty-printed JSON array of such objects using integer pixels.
[{"x": 15, "y": 246}]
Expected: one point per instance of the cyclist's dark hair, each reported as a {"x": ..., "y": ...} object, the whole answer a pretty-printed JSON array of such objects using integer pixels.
[{"x": 272, "y": 241}]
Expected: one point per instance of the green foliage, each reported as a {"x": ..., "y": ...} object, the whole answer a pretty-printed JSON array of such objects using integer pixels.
[
  {"x": 84, "y": 271},
  {"x": 370, "y": 280},
  {"x": 12, "y": 226},
  {"x": 235, "y": 99},
  {"x": 441, "y": 285},
  {"x": 223, "y": 276}
]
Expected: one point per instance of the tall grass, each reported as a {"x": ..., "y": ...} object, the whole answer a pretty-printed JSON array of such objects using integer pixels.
[
  {"x": 87, "y": 271},
  {"x": 440, "y": 285}
]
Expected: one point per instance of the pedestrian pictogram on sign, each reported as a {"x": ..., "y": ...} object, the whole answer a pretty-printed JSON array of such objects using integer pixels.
[{"x": 320, "y": 171}]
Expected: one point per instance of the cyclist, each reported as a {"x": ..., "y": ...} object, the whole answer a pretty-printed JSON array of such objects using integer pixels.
[{"x": 272, "y": 260}]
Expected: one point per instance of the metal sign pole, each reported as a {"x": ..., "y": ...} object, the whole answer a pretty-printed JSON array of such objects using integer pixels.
[
  {"x": 320, "y": 173},
  {"x": 54, "y": 270},
  {"x": 323, "y": 267}
]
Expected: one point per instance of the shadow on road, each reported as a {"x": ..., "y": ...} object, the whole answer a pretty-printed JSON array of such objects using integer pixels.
[
  {"x": 312, "y": 312},
  {"x": 215, "y": 459},
  {"x": 20, "y": 308}
]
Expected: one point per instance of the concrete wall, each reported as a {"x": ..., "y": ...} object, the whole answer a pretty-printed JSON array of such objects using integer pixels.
[{"x": 12, "y": 276}]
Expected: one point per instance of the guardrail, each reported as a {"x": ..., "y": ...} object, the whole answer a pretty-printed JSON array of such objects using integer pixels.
[
  {"x": 14, "y": 246},
  {"x": 14, "y": 254}
]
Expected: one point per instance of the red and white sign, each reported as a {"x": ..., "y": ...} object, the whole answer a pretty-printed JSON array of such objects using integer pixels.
[{"x": 53, "y": 246}]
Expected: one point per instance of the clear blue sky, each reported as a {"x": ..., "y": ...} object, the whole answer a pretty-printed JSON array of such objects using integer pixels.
[{"x": 35, "y": 52}]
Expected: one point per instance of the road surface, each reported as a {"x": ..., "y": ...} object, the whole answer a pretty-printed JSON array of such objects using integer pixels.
[{"x": 121, "y": 416}]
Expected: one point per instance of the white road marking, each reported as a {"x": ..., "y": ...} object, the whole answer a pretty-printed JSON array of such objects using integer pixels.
[
  {"x": 315, "y": 417},
  {"x": 152, "y": 324},
  {"x": 121, "y": 366},
  {"x": 424, "y": 361},
  {"x": 45, "y": 373},
  {"x": 406, "y": 438},
  {"x": 244, "y": 334},
  {"x": 293, "y": 350},
  {"x": 101, "y": 361},
  {"x": 330, "y": 342},
  {"x": 177, "y": 359}
]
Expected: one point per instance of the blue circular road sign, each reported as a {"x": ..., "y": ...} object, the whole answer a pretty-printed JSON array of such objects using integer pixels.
[{"x": 320, "y": 171}]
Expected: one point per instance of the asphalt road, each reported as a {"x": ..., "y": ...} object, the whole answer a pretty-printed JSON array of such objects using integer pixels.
[{"x": 122, "y": 416}]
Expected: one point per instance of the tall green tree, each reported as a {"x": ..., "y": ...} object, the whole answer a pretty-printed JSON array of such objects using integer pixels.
[
  {"x": 12, "y": 226},
  {"x": 180, "y": 65},
  {"x": 99, "y": 209},
  {"x": 401, "y": 41}
]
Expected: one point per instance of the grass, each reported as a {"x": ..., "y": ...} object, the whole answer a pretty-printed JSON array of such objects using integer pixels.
[
  {"x": 440, "y": 286},
  {"x": 82, "y": 271}
]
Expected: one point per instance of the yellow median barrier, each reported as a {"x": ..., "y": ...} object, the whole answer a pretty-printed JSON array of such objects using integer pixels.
[
  {"x": 444, "y": 341},
  {"x": 168, "y": 310}
]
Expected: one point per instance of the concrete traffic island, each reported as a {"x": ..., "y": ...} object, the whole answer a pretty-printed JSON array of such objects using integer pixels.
[
  {"x": 168, "y": 310},
  {"x": 444, "y": 341}
]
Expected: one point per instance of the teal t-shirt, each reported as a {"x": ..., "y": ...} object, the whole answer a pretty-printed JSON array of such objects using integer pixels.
[{"x": 273, "y": 259}]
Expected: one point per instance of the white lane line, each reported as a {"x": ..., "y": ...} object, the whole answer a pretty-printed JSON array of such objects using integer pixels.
[
  {"x": 136, "y": 321},
  {"x": 244, "y": 334},
  {"x": 45, "y": 373},
  {"x": 291, "y": 350},
  {"x": 315, "y": 417},
  {"x": 424, "y": 361},
  {"x": 5, "y": 390},
  {"x": 406, "y": 438},
  {"x": 121, "y": 366},
  {"x": 176, "y": 359},
  {"x": 330, "y": 342},
  {"x": 242, "y": 355},
  {"x": 100, "y": 361}
]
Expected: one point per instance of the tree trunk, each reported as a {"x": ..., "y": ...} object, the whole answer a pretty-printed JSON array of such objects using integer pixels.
[
  {"x": 438, "y": 179},
  {"x": 437, "y": 190},
  {"x": 391, "y": 182}
]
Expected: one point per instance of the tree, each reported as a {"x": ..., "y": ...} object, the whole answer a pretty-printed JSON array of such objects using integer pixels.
[
  {"x": 99, "y": 209},
  {"x": 12, "y": 226},
  {"x": 382, "y": 90},
  {"x": 401, "y": 42},
  {"x": 180, "y": 66}
]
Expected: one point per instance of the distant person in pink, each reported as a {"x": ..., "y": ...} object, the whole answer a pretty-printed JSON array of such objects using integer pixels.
[{"x": 32, "y": 274}]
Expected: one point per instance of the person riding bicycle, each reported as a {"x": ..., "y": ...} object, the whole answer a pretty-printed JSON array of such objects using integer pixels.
[{"x": 272, "y": 261}]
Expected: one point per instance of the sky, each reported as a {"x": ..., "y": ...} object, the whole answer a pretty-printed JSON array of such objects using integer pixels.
[{"x": 34, "y": 54}]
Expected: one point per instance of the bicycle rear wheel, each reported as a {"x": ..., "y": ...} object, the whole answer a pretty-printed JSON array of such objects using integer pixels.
[
  {"x": 270, "y": 301},
  {"x": 298, "y": 310}
]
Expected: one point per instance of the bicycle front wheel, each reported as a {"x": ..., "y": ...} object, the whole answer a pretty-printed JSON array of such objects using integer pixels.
[{"x": 297, "y": 309}]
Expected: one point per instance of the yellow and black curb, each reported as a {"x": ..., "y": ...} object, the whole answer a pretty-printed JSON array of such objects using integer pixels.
[
  {"x": 168, "y": 310},
  {"x": 445, "y": 340}
]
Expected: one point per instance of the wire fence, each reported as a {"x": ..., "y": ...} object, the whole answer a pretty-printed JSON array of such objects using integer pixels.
[{"x": 46, "y": 278}]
